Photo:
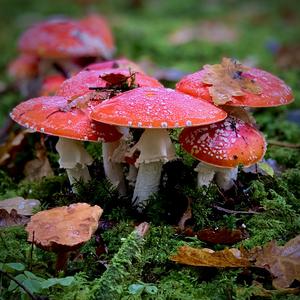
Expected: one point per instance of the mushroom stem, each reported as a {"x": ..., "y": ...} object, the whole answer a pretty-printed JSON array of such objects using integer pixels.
[
  {"x": 147, "y": 183},
  {"x": 132, "y": 175},
  {"x": 225, "y": 177},
  {"x": 155, "y": 148},
  {"x": 61, "y": 261},
  {"x": 113, "y": 170},
  {"x": 75, "y": 159}
]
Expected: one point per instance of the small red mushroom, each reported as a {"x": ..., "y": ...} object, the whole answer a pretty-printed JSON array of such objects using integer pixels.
[
  {"x": 56, "y": 116},
  {"x": 156, "y": 110},
  {"x": 274, "y": 91},
  {"x": 51, "y": 84},
  {"x": 221, "y": 147}
]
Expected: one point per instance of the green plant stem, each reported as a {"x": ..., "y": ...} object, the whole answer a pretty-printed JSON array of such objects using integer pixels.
[{"x": 19, "y": 284}]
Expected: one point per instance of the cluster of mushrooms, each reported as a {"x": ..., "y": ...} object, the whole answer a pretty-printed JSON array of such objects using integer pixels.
[{"x": 106, "y": 102}]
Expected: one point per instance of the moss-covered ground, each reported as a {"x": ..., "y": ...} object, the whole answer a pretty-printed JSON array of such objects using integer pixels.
[{"x": 142, "y": 33}]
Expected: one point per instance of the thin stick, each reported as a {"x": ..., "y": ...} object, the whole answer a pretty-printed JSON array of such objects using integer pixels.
[
  {"x": 19, "y": 284},
  {"x": 31, "y": 252},
  {"x": 283, "y": 144},
  {"x": 235, "y": 212}
]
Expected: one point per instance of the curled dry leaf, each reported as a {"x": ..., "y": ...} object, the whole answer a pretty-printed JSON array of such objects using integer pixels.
[
  {"x": 208, "y": 258},
  {"x": 228, "y": 79},
  {"x": 39, "y": 167},
  {"x": 11, "y": 219},
  {"x": 283, "y": 262}
]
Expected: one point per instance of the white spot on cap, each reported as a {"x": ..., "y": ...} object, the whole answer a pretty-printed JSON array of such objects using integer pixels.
[
  {"x": 42, "y": 129},
  {"x": 164, "y": 124},
  {"x": 69, "y": 122},
  {"x": 86, "y": 138},
  {"x": 188, "y": 123},
  {"x": 139, "y": 124},
  {"x": 129, "y": 123}
]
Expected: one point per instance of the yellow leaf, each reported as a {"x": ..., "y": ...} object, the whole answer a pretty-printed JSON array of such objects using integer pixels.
[{"x": 208, "y": 258}]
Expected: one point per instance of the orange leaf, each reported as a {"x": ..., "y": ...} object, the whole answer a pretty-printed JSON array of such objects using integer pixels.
[
  {"x": 208, "y": 258},
  {"x": 229, "y": 79}
]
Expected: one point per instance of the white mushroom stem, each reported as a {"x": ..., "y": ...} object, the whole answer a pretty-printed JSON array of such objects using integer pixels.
[
  {"x": 132, "y": 175},
  {"x": 75, "y": 159},
  {"x": 155, "y": 148},
  {"x": 113, "y": 156},
  {"x": 224, "y": 177},
  {"x": 113, "y": 170}
]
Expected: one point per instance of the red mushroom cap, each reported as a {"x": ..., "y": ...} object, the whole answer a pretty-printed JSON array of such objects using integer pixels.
[
  {"x": 121, "y": 63},
  {"x": 51, "y": 115},
  {"x": 66, "y": 38},
  {"x": 224, "y": 144},
  {"x": 81, "y": 83},
  {"x": 51, "y": 84},
  {"x": 274, "y": 91},
  {"x": 148, "y": 107},
  {"x": 24, "y": 66}
]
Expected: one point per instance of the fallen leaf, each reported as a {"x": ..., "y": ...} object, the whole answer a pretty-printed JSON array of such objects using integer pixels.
[
  {"x": 208, "y": 258},
  {"x": 283, "y": 262},
  {"x": 22, "y": 206},
  {"x": 265, "y": 167},
  {"x": 228, "y": 79},
  {"x": 210, "y": 31},
  {"x": 12, "y": 146},
  {"x": 262, "y": 292},
  {"x": 39, "y": 167},
  {"x": 11, "y": 219},
  {"x": 221, "y": 236}
]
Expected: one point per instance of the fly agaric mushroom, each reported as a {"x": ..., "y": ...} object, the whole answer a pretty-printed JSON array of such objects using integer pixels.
[
  {"x": 100, "y": 85},
  {"x": 63, "y": 229},
  {"x": 121, "y": 63},
  {"x": 24, "y": 70},
  {"x": 230, "y": 83},
  {"x": 51, "y": 84},
  {"x": 67, "y": 45},
  {"x": 57, "y": 116},
  {"x": 65, "y": 38},
  {"x": 221, "y": 147},
  {"x": 156, "y": 110}
]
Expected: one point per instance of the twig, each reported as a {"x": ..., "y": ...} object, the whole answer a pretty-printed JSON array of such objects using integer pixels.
[
  {"x": 283, "y": 144},
  {"x": 235, "y": 212},
  {"x": 31, "y": 252},
  {"x": 19, "y": 284}
]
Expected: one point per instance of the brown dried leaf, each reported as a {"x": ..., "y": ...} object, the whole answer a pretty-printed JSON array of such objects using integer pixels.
[
  {"x": 208, "y": 258},
  {"x": 11, "y": 219},
  {"x": 11, "y": 147},
  {"x": 39, "y": 167},
  {"x": 283, "y": 262},
  {"x": 222, "y": 235},
  {"x": 262, "y": 292},
  {"x": 229, "y": 79}
]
